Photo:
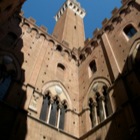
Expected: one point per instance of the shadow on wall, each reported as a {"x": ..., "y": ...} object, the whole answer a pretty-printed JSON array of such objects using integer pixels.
[
  {"x": 125, "y": 124},
  {"x": 13, "y": 119}
]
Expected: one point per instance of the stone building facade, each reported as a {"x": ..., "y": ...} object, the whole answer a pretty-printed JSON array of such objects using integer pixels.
[{"x": 63, "y": 87}]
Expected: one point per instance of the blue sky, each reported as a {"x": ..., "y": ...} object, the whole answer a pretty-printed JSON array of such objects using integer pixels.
[{"x": 43, "y": 11}]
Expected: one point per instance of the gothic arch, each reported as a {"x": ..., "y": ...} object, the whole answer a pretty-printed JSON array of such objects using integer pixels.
[
  {"x": 55, "y": 104},
  {"x": 97, "y": 101},
  {"x": 59, "y": 89},
  {"x": 94, "y": 82}
]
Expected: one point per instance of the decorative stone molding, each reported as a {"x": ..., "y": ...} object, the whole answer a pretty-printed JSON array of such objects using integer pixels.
[{"x": 33, "y": 103}]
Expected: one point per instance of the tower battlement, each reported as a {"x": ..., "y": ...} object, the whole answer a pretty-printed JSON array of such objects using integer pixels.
[{"x": 73, "y": 5}]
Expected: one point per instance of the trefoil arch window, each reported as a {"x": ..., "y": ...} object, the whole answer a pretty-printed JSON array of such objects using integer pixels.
[
  {"x": 53, "y": 111},
  {"x": 99, "y": 106}
]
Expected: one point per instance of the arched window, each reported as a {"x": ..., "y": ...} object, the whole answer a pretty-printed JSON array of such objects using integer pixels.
[
  {"x": 54, "y": 112},
  {"x": 7, "y": 73},
  {"x": 54, "y": 109},
  {"x": 45, "y": 108},
  {"x": 100, "y": 105},
  {"x": 62, "y": 115},
  {"x": 130, "y": 31}
]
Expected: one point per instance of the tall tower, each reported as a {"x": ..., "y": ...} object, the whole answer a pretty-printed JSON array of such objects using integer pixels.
[{"x": 69, "y": 24}]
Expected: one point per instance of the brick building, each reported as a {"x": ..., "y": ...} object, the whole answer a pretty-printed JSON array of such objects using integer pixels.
[{"x": 63, "y": 87}]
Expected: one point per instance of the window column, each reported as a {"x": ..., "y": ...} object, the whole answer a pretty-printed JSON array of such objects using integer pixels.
[
  {"x": 58, "y": 116},
  {"x": 49, "y": 111},
  {"x": 95, "y": 114},
  {"x": 103, "y": 105}
]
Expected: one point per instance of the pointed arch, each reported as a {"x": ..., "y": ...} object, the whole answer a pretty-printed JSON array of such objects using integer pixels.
[
  {"x": 98, "y": 101},
  {"x": 59, "y": 87}
]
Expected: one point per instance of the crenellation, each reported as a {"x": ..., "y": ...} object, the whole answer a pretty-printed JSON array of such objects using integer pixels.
[
  {"x": 43, "y": 28},
  {"x": 96, "y": 32},
  {"x": 114, "y": 11},
  {"x": 32, "y": 20},
  {"x": 104, "y": 22}
]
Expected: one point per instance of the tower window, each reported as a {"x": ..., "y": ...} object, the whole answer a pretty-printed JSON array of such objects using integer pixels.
[
  {"x": 130, "y": 31},
  {"x": 92, "y": 66},
  {"x": 74, "y": 27}
]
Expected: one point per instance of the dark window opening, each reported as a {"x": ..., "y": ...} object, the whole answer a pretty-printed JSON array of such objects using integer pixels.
[
  {"x": 130, "y": 31},
  {"x": 54, "y": 112},
  {"x": 82, "y": 57},
  {"x": 61, "y": 66},
  {"x": 45, "y": 107},
  {"x": 74, "y": 27},
  {"x": 92, "y": 66},
  {"x": 62, "y": 116}
]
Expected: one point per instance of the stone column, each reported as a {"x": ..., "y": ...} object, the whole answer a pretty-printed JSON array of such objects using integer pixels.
[
  {"x": 103, "y": 105},
  {"x": 49, "y": 111},
  {"x": 58, "y": 117},
  {"x": 95, "y": 114}
]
